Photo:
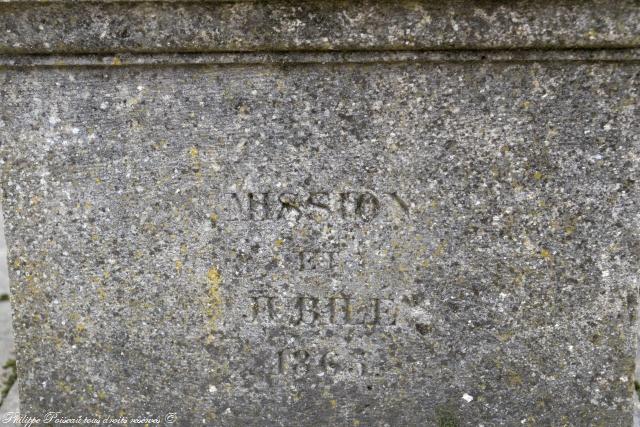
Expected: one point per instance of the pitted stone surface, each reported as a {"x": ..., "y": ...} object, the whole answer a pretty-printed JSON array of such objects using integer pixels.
[
  {"x": 366, "y": 243},
  {"x": 277, "y": 25},
  {"x": 333, "y": 243}
]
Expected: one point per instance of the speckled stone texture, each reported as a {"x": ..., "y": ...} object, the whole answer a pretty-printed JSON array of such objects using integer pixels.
[
  {"x": 221, "y": 25},
  {"x": 361, "y": 242}
]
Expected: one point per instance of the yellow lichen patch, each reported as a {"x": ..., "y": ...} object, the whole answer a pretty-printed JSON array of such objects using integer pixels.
[
  {"x": 439, "y": 250},
  {"x": 195, "y": 160},
  {"x": 569, "y": 230},
  {"x": 80, "y": 327},
  {"x": 64, "y": 387},
  {"x": 545, "y": 253},
  {"x": 214, "y": 218},
  {"x": 333, "y": 403},
  {"x": 279, "y": 242},
  {"x": 102, "y": 294},
  {"x": 513, "y": 378},
  {"x": 537, "y": 175},
  {"x": 504, "y": 337},
  {"x": 116, "y": 61},
  {"x": 30, "y": 277},
  {"x": 214, "y": 308},
  {"x": 592, "y": 34},
  {"x": 178, "y": 266}
]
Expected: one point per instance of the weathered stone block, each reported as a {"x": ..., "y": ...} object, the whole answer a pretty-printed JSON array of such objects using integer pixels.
[{"x": 323, "y": 213}]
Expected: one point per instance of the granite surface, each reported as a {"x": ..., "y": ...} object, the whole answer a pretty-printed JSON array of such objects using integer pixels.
[
  {"x": 71, "y": 26},
  {"x": 379, "y": 241}
]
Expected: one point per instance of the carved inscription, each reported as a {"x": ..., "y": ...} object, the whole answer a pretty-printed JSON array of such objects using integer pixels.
[
  {"x": 336, "y": 312},
  {"x": 332, "y": 310},
  {"x": 321, "y": 205},
  {"x": 300, "y": 362}
]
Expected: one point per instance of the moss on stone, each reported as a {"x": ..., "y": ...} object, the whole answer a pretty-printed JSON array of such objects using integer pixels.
[
  {"x": 446, "y": 417},
  {"x": 10, "y": 380}
]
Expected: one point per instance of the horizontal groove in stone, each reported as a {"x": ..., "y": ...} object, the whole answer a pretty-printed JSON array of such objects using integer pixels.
[
  {"x": 206, "y": 26},
  {"x": 603, "y": 55}
]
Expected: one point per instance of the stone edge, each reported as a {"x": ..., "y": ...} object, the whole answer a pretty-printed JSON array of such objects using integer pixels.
[{"x": 106, "y": 27}]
